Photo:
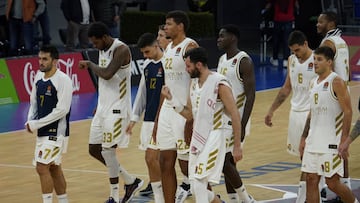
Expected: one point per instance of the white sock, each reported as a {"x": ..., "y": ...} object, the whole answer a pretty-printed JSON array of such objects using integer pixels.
[
  {"x": 346, "y": 181},
  {"x": 114, "y": 191},
  {"x": 356, "y": 201},
  {"x": 301, "y": 196},
  {"x": 233, "y": 198},
  {"x": 63, "y": 198},
  {"x": 47, "y": 198},
  {"x": 199, "y": 189},
  {"x": 158, "y": 192},
  {"x": 210, "y": 195},
  {"x": 322, "y": 183},
  {"x": 128, "y": 179},
  {"x": 243, "y": 195}
]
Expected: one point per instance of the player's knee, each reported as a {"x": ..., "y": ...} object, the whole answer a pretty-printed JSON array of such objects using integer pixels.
[
  {"x": 312, "y": 179},
  {"x": 42, "y": 169},
  {"x": 111, "y": 161},
  {"x": 109, "y": 155},
  {"x": 184, "y": 167},
  {"x": 332, "y": 184},
  {"x": 95, "y": 150},
  {"x": 151, "y": 157},
  {"x": 228, "y": 163}
]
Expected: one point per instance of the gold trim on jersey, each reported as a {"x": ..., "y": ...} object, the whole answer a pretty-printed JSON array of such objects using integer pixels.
[
  {"x": 55, "y": 152},
  {"x": 240, "y": 100},
  {"x": 117, "y": 127},
  {"x": 217, "y": 119},
  {"x": 229, "y": 141},
  {"x": 212, "y": 159},
  {"x": 336, "y": 161},
  {"x": 122, "y": 88},
  {"x": 339, "y": 123}
]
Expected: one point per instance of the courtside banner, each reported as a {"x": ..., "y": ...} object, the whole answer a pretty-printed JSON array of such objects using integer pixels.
[
  {"x": 7, "y": 89},
  {"x": 23, "y": 71}
]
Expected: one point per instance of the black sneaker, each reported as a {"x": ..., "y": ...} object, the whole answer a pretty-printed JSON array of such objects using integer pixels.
[
  {"x": 186, "y": 187},
  {"x": 147, "y": 191},
  {"x": 131, "y": 189},
  {"x": 110, "y": 200},
  {"x": 323, "y": 194}
]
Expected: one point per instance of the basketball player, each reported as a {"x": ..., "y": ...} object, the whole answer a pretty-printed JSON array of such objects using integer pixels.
[
  {"x": 327, "y": 27},
  {"x": 210, "y": 97},
  {"x": 162, "y": 39},
  {"x": 238, "y": 68},
  {"x": 300, "y": 73},
  {"x": 107, "y": 130},
  {"x": 170, "y": 137},
  {"x": 49, "y": 113},
  {"x": 329, "y": 122},
  {"x": 147, "y": 101}
]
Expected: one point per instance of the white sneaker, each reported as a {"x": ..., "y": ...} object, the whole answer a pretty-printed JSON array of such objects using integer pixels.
[
  {"x": 252, "y": 200},
  {"x": 181, "y": 195},
  {"x": 274, "y": 62},
  {"x": 285, "y": 63}
]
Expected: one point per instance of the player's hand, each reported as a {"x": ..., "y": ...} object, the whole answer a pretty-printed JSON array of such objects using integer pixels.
[
  {"x": 83, "y": 64},
  {"x": 268, "y": 121},
  {"x": 130, "y": 127},
  {"x": 166, "y": 92},
  {"x": 237, "y": 153},
  {"x": 27, "y": 126},
  {"x": 344, "y": 148}
]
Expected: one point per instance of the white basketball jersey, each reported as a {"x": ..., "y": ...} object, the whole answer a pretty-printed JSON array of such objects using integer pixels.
[
  {"x": 230, "y": 69},
  {"x": 341, "y": 59},
  {"x": 195, "y": 96},
  {"x": 301, "y": 75},
  {"x": 115, "y": 93},
  {"x": 326, "y": 118},
  {"x": 176, "y": 77}
]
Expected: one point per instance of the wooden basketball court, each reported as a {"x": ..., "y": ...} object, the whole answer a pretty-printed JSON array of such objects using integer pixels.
[{"x": 265, "y": 160}]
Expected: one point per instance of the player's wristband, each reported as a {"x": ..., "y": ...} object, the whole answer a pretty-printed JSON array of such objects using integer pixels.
[{"x": 178, "y": 107}]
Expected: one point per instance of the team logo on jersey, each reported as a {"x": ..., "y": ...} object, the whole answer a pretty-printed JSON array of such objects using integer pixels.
[
  {"x": 310, "y": 66},
  {"x": 326, "y": 86},
  {"x": 40, "y": 154},
  {"x": 160, "y": 72},
  {"x": 177, "y": 51},
  {"x": 48, "y": 91},
  {"x": 234, "y": 62}
]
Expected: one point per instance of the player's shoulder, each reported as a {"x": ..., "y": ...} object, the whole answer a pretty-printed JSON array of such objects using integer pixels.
[
  {"x": 146, "y": 63},
  {"x": 191, "y": 42}
]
